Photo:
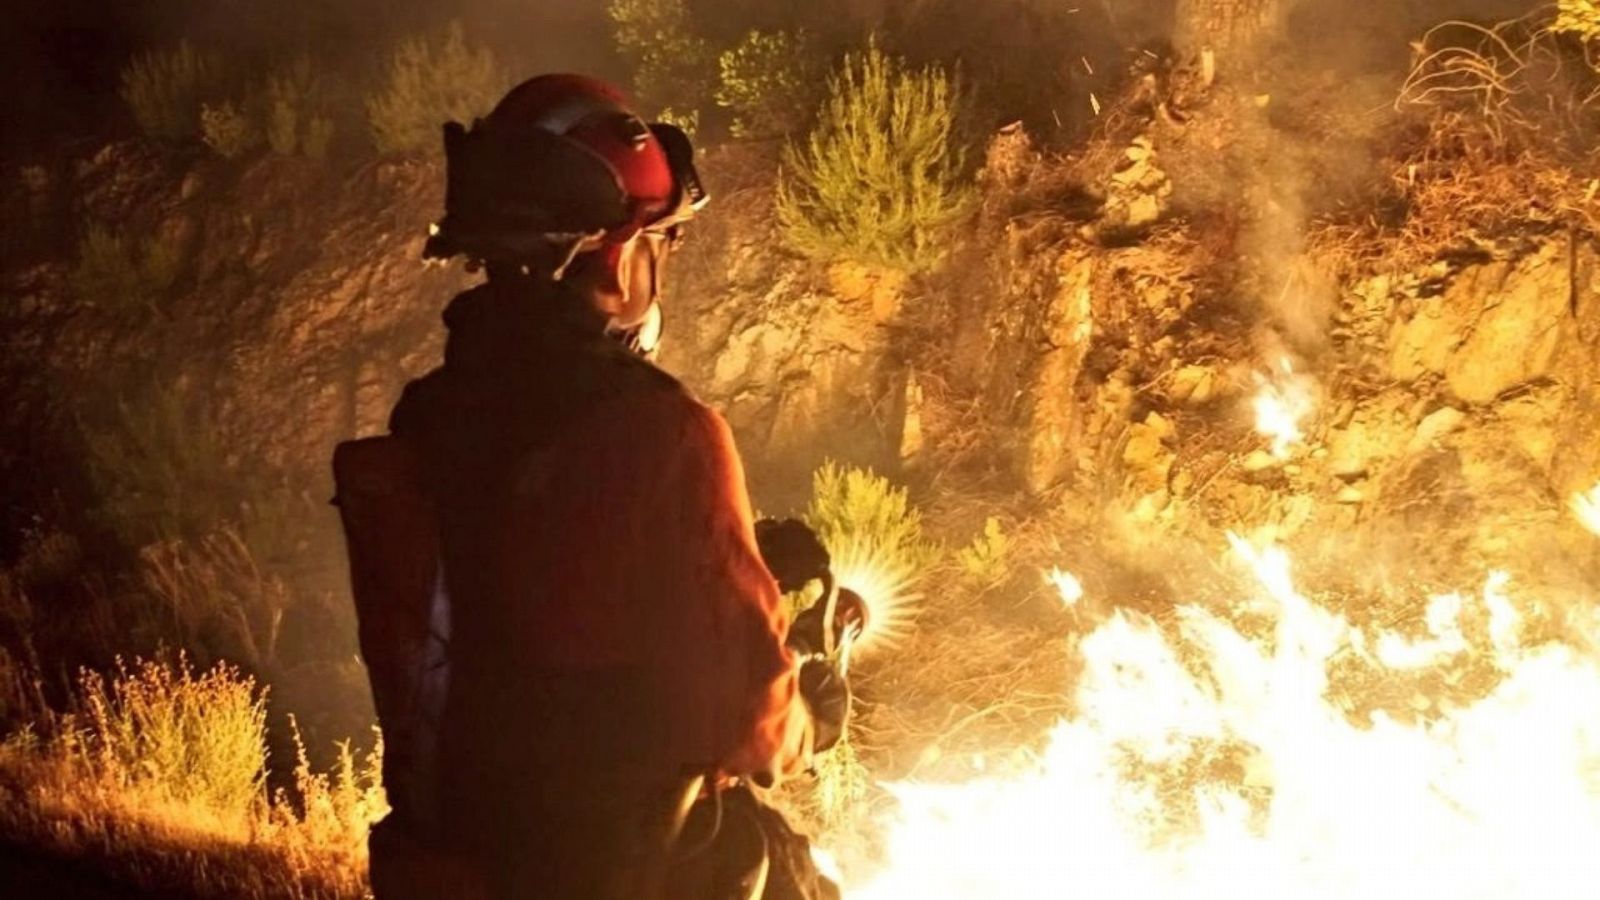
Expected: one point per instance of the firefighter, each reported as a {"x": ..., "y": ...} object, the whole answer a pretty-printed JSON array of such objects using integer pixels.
[{"x": 569, "y": 627}]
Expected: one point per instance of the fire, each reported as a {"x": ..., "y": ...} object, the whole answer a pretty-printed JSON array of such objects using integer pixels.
[
  {"x": 1283, "y": 403},
  {"x": 1207, "y": 762},
  {"x": 1066, "y": 584},
  {"x": 1586, "y": 506}
]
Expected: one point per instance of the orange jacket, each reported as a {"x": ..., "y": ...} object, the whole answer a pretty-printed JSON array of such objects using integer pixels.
[
  {"x": 608, "y": 605},
  {"x": 630, "y": 545}
]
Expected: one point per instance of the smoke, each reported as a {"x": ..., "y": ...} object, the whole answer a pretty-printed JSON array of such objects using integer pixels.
[{"x": 1293, "y": 129}]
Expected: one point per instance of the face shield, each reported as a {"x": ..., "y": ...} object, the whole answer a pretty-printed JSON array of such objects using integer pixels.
[{"x": 642, "y": 260}]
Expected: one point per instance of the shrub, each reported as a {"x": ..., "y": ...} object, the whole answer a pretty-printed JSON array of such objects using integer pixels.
[
  {"x": 159, "y": 467},
  {"x": 1579, "y": 17},
  {"x": 334, "y": 810},
  {"x": 228, "y": 130},
  {"x": 769, "y": 84},
  {"x": 296, "y": 107},
  {"x": 162, "y": 730},
  {"x": 217, "y": 596},
  {"x": 985, "y": 560},
  {"x": 838, "y": 795},
  {"x": 165, "y": 89},
  {"x": 856, "y": 509},
  {"x": 673, "y": 67},
  {"x": 430, "y": 82},
  {"x": 119, "y": 274},
  {"x": 689, "y": 120},
  {"x": 20, "y": 689},
  {"x": 880, "y": 176}
]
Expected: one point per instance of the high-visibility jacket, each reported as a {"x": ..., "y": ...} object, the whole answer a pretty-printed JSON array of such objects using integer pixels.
[{"x": 585, "y": 521}]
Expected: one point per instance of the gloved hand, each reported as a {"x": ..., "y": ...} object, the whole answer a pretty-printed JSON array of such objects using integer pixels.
[
  {"x": 805, "y": 632},
  {"x": 793, "y": 553},
  {"x": 827, "y": 694}
]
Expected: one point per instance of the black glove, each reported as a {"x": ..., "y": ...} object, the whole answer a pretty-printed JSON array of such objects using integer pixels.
[
  {"x": 792, "y": 552},
  {"x": 827, "y": 695}
]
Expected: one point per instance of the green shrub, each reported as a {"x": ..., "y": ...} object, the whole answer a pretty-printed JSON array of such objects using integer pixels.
[
  {"x": 769, "y": 83},
  {"x": 296, "y": 106},
  {"x": 855, "y": 511},
  {"x": 986, "y": 559},
  {"x": 673, "y": 67},
  {"x": 165, "y": 89},
  {"x": 159, "y": 466},
  {"x": 430, "y": 82},
  {"x": 879, "y": 179},
  {"x": 228, "y": 130},
  {"x": 115, "y": 273},
  {"x": 163, "y": 731},
  {"x": 162, "y": 471},
  {"x": 318, "y": 136},
  {"x": 838, "y": 795},
  {"x": 1579, "y": 17},
  {"x": 689, "y": 120}
]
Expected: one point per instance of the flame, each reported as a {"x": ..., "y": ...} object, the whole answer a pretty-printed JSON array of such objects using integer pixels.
[
  {"x": 1205, "y": 762},
  {"x": 1283, "y": 403},
  {"x": 1586, "y": 506},
  {"x": 1066, "y": 584},
  {"x": 826, "y": 864}
]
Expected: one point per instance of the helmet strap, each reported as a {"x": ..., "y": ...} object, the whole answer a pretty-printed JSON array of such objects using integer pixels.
[{"x": 580, "y": 245}]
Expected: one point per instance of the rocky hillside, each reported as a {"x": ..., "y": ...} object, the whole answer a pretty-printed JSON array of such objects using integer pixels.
[{"x": 1092, "y": 363}]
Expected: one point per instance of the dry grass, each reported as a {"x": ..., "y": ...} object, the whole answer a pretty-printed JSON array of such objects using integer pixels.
[
  {"x": 156, "y": 778},
  {"x": 217, "y": 596},
  {"x": 1516, "y": 79},
  {"x": 166, "y": 734},
  {"x": 1505, "y": 122},
  {"x": 47, "y": 806}
]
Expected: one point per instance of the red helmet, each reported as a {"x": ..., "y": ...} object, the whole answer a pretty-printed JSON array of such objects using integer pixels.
[{"x": 562, "y": 162}]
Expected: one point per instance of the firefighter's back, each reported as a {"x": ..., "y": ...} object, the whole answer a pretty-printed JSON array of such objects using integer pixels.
[{"x": 552, "y": 457}]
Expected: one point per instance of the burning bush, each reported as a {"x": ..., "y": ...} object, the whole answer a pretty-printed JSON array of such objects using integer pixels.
[
  {"x": 880, "y": 177},
  {"x": 432, "y": 81}
]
